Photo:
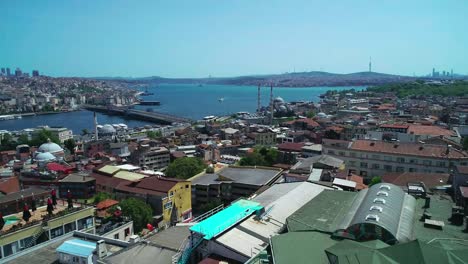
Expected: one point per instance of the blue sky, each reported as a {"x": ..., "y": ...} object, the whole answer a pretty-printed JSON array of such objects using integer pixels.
[{"x": 228, "y": 38}]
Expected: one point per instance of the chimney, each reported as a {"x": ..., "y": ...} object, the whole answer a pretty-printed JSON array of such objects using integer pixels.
[{"x": 101, "y": 249}]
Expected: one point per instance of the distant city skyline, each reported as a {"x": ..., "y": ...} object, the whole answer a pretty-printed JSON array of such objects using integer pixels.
[{"x": 223, "y": 39}]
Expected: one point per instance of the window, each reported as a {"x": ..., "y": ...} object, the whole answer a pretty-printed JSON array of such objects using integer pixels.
[
  {"x": 127, "y": 231},
  {"x": 352, "y": 163},
  {"x": 387, "y": 158},
  {"x": 377, "y": 157},
  {"x": 372, "y": 218},
  {"x": 388, "y": 168},
  {"x": 427, "y": 162},
  {"x": 56, "y": 232},
  {"x": 400, "y": 160},
  {"x": 116, "y": 236},
  {"x": 413, "y": 161},
  {"x": 352, "y": 154},
  {"x": 376, "y": 166},
  {"x": 441, "y": 164},
  {"x": 342, "y": 153},
  {"x": 186, "y": 186},
  {"x": 413, "y": 170},
  {"x": 363, "y": 164},
  {"x": 331, "y": 152},
  {"x": 400, "y": 169},
  {"x": 10, "y": 249}
]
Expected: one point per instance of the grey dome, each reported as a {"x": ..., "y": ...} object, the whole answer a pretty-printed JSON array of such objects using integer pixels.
[
  {"x": 44, "y": 156},
  {"x": 279, "y": 100},
  {"x": 107, "y": 129},
  {"x": 50, "y": 147}
]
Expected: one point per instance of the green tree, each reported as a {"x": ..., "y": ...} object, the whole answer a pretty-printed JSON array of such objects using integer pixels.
[
  {"x": 101, "y": 196},
  {"x": 310, "y": 114},
  {"x": 7, "y": 142},
  {"x": 140, "y": 212},
  {"x": 23, "y": 139},
  {"x": 465, "y": 143},
  {"x": 43, "y": 136},
  {"x": 375, "y": 180},
  {"x": 260, "y": 157},
  {"x": 154, "y": 134},
  {"x": 185, "y": 168},
  {"x": 70, "y": 145}
]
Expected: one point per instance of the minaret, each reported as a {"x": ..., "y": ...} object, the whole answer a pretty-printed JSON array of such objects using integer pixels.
[
  {"x": 370, "y": 64},
  {"x": 271, "y": 103},
  {"x": 95, "y": 127},
  {"x": 258, "y": 100}
]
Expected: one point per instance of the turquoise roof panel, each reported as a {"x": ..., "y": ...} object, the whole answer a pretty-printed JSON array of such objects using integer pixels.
[
  {"x": 77, "y": 247},
  {"x": 223, "y": 220}
]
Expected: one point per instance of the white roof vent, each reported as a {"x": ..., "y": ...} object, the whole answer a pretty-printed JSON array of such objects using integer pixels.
[
  {"x": 372, "y": 217},
  {"x": 376, "y": 208},
  {"x": 386, "y": 187},
  {"x": 382, "y": 193},
  {"x": 379, "y": 201}
]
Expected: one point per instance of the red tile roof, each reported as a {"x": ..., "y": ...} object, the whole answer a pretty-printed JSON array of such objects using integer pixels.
[
  {"x": 310, "y": 122},
  {"x": 429, "y": 130},
  {"x": 464, "y": 191},
  {"x": 290, "y": 146},
  {"x": 106, "y": 204},
  {"x": 9, "y": 185},
  {"x": 429, "y": 179},
  {"x": 414, "y": 149},
  {"x": 399, "y": 126},
  {"x": 159, "y": 184},
  {"x": 462, "y": 169}
]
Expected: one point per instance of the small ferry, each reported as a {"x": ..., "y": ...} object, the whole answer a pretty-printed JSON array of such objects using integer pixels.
[{"x": 146, "y": 93}]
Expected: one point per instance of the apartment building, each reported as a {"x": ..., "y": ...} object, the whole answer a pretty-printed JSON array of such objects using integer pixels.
[
  {"x": 370, "y": 158},
  {"x": 151, "y": 157}
]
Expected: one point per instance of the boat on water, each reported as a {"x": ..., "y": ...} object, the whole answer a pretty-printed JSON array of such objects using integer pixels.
[
  {"x": 9, "y": 117},
  {"x": 146, "y": 93},
  {"x": 221, "y": 99}
]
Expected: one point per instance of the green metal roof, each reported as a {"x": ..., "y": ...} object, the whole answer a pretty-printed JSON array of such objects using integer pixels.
[
  {"x": 301, "y": 247},
  {"x": 323, "y": 213}
]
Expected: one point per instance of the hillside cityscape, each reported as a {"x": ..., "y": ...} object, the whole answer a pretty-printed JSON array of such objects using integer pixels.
[{"x": 364, "y": 162}]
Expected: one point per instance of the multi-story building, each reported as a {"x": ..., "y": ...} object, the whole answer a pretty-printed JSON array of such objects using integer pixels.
[
  {"x": 81, "y": 186},
  {"x": 61, "y": 133},
  {"x": 18, "y": 235},
  {"x": 231, "y": 183},
  {"x": 370, "y": 158},
  {"x": 169, "y": 197},
  {"x": 151, "y": 157},
  {"x": 263, "y": 137}
]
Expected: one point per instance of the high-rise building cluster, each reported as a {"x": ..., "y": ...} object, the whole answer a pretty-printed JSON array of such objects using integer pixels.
[
  {"x": 7, "y": 72},
  {"x": 442, "y": 74}
]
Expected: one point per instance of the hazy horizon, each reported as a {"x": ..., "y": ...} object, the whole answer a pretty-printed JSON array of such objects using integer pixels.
[{"x": 195, "y": 39}]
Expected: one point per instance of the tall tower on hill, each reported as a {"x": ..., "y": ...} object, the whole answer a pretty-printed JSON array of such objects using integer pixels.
[{"x": 370, "y": 64}]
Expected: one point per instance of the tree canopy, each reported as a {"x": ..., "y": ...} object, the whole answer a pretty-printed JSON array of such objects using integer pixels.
[
  {"x": 416, "y": 88},
  {"x": 70, "y": 145},
  {"x": 185, "y": 168},
  {"x": 260, "y": 157},
  {"x": 375, "y": 180},
  {"x": 140, "y": 212}
]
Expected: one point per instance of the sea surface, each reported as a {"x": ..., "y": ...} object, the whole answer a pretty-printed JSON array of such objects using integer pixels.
[{"x": 185, "y": 100}]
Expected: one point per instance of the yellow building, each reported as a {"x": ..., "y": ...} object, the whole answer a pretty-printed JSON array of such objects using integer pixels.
[
  {"x": 18, "y": 235},
  {"x": 177, "y": 205}
]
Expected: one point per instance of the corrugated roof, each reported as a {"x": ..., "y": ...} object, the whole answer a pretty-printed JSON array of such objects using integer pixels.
[
  {"x": 108, "y": 169},
  {"x": 323, "y": 213},
  {"x": 77, "y": 247},
  {"x": 301, "y": 248},
  {"x": 129, "y": 176}
]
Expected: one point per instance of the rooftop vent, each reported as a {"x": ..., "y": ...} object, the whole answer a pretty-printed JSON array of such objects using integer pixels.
[
  {"x": 382, "y": 193},
  {"x": 385, "y": 187},
  {"x": 376, "y": 208},
  {"x": 372, "y": 217},
  {"x": 379, "y": 201}
]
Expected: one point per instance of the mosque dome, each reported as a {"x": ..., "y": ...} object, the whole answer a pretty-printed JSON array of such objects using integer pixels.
[
  {"x": 278, "y": 100},
  {"x": 107, "y": 129},
  {"x": 44, "y": 156},
  {"x": 50, "y": 147},
  {"x": 322, "y": 115}
]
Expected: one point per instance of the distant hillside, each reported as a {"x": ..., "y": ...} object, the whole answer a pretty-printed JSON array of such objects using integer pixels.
[{"x": 296, "y": 79}]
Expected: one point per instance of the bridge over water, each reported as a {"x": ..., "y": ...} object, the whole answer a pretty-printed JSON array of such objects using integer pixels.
[{"x": 156, "y": 117}]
